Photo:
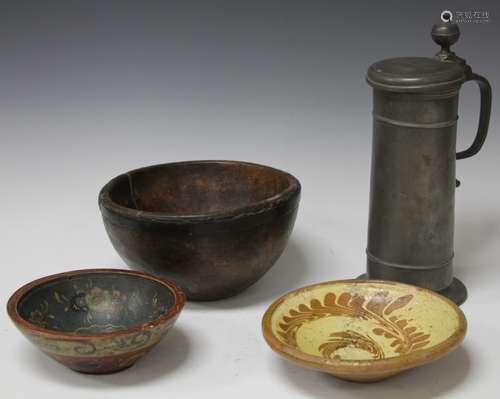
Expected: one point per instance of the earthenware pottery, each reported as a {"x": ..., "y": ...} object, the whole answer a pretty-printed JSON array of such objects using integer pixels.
[
  {"x": 363, "y": 330},
  {"x": 213, "y": 227},
  {"x": 97, "y": 320},
  {"x": 412, "y": 198}
]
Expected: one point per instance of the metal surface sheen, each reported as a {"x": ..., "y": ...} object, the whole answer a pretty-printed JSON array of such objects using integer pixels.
[{"x": 412, "y": 194}]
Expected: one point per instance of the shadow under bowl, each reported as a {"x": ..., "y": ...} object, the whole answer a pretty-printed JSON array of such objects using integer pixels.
[
  {"x": 213, "y": 227},
  {"x": 363, "y": 330},
  {"x": 96, "y": 320}
]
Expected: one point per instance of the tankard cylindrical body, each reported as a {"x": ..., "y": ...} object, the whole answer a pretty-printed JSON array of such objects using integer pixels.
[
  {"x": 411, "y": 224},
  {"x": 412, "y": 192}
]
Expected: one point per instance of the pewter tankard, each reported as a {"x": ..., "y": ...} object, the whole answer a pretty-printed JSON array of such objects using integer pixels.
[{"x": 411, "y": 219}]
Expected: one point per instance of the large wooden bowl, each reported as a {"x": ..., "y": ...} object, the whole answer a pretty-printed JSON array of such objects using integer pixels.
[
  {"x": 213, "y": 227},
  {"x": 363, "y": 330}
]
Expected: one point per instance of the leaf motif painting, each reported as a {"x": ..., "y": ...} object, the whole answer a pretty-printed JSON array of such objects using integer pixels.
[{"x": 379, "y": 309}]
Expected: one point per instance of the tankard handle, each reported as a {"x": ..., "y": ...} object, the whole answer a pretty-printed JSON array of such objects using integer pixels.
[
  {"x": 445, "y": 34},
  {"x": 484, "y": 116}
]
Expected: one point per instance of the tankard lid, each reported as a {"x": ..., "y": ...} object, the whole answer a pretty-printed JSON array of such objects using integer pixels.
[{"x": 408, "y": 74}]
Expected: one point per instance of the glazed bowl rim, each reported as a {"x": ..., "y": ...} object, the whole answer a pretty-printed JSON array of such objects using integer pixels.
[
  {"x": 171, "y": 313},
  {"x": 257, "y": 207},
  {"x": 367, "y": 367}
]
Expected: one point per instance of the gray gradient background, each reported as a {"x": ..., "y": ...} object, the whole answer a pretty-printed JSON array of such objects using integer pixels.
[{"x": 90, "y": 89}]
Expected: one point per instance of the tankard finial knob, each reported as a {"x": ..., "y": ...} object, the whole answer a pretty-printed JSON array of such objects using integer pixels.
[{"x": 445, "y": 34}]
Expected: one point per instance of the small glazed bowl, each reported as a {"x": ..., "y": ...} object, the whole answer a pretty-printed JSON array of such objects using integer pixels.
[
  {"x": 363, "y": 330},
  {"x": 213, "y": 227},
  {"x": 97, "y": 320}
]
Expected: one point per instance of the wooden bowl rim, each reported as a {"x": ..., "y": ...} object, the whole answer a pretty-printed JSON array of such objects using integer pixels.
[
  {"x": 293, "y": 189},
  {"x": 364, "y": 367},
  {"x": 172, "y": 312}
]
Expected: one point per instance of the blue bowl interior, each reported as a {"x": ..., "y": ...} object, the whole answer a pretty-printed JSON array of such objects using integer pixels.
[{"x": 95, "y": 303}]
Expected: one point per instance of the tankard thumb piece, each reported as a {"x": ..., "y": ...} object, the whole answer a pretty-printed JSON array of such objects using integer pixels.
[{"x": 411, "y": 217}]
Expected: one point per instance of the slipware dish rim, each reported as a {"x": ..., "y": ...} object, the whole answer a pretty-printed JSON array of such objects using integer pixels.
[{"x": 374, "y": 366}]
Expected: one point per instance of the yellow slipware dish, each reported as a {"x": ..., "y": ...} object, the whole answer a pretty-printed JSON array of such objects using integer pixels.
[{"x": 363, "y": 330}]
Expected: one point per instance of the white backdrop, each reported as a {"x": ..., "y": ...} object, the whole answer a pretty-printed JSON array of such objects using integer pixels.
[{"x": 90, "y": 105}]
